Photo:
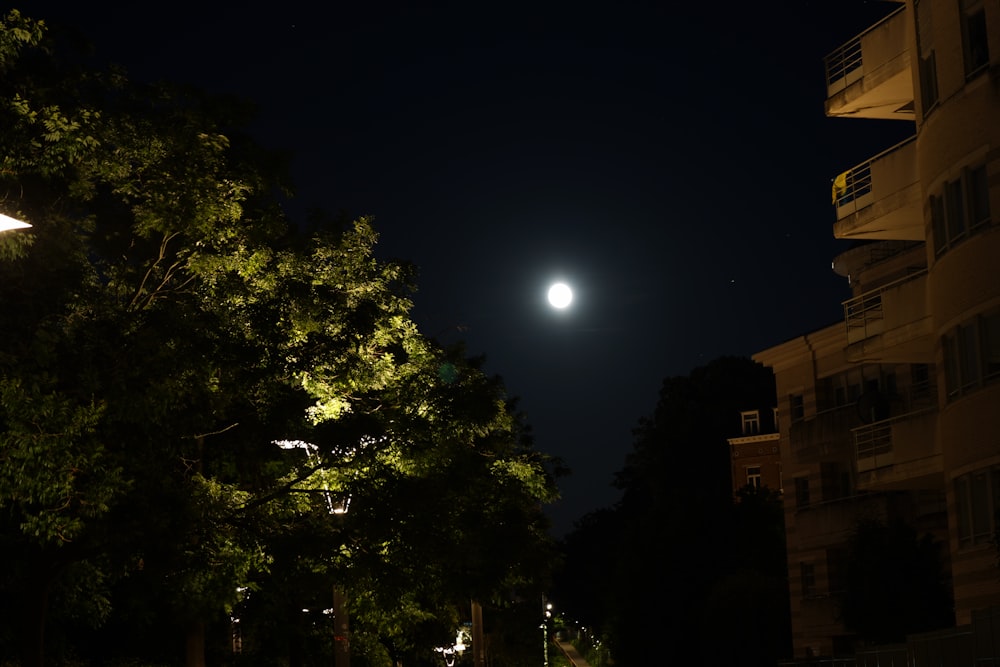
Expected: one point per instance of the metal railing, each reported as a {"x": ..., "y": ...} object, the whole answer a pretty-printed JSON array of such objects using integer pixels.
[
  {"x": 848, "y": 58},
  {"x": 843, "y": 61},
  {"x": 856, "y": 182},
  {"x": 852, "y": 184},
  {"x": 864, "y": 313},
  {"x": 875, "y": 440}
]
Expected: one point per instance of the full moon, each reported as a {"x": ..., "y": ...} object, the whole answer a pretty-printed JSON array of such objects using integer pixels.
[{"x": 560, "y": 295}]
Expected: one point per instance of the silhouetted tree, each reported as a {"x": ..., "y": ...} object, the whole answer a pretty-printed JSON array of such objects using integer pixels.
[
  {"x": 895, "y": 583},
  {"x": 675, "y": 548}
]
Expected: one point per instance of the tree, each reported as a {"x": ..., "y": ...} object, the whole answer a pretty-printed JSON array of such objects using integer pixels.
[
  {"x": 674, "y": 538},
  {"x": 166, "y": 327},
  {"x": 895, "y": 583}
]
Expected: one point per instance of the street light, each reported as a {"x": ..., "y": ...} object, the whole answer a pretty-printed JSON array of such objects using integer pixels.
[
  {"x": 7, "y": 223},
  {"x": 546, "y": 615}
]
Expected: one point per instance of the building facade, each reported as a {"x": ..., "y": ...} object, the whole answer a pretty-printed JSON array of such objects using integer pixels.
[
  {"x": 895, "y": 412},
  {"x": 755, "y": 459}
]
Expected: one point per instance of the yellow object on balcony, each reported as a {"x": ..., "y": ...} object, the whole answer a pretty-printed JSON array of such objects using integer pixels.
[{"x": 840, "y": 186}]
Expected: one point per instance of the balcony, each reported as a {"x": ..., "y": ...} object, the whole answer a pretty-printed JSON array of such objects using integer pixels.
[
  {"x": 880, "y": 198},
  {"x": 900, "y": 452},
  {"x": 869, "y": 76},
  {"x": 891, "y": 323},
  {"x": 825, "y": 437},
  {"x": 833, "y": 522}
]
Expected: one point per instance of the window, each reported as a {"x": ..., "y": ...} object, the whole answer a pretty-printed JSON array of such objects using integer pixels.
[
  {"x": 807, "y": 576},
  {"x": 974, "y": 43},
  {"x": 991, "y": 345},
  {"x": 751, "y": 422},
  {"x": 979, "y": 197},
  {"x": 798, "y": 409},
  {"x": 962, "y": 208},
  {"x": 920, "y": 378},
  {"x": 977, "y": 498},
  {"x": 925, "y": 51},
  {"x": 835, "y": 481},
  {"x": 836, "y": 570},
  {"x": 972, "y": 354},
  {"x": 928, "y": 82},
  {"x": 801, "y": 492},
  {"x": 753, "y": 476}
]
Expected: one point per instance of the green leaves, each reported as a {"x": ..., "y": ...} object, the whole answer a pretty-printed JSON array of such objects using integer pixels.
[
  {"x": 54, "y": 474},
  {"x": 16, "y": 33},
  {"x": 165, "y": 325}
]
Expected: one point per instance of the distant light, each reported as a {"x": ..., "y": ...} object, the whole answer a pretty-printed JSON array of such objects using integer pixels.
[
  {"x": 560, "y": 295},
  {"x": 7, "y": 222}
]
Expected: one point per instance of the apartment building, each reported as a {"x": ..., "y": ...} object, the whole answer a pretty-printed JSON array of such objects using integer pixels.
[
  {"x": 755, "y": 459},
  {"x": 895, "y": 411}
]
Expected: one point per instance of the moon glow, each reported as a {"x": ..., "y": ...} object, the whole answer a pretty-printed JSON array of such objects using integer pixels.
[{"x": 560, "y": 295}]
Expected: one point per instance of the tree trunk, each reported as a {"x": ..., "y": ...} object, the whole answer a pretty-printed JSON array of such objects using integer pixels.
[
  {"x": 478, "y": 642},
  {"x": 195, "y": 645},
  {"x": 341, "y": 631},
  {"x": 36, "y": 603}
]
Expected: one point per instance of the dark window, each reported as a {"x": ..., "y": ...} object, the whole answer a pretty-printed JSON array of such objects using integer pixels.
[
  {"x": 920, "y": 376},
  {"x": 962, "y": 208},
  {"x": 925, "y": 53},
  {"x": 807, "y": 574},
  {"x": 798, "y": 407},
  {"x": 954, "y": 211},
  {"x": 836, "y": 568},
  {"x": 937, "y": 225},
  {"x": 928, "y": 82},
  {"x": 977, "y": 498},
  {"x": 972, "y": 354},
  {"x": 801, "y": 492},
  {"x": 991, "y": 345},
  {"x": 949, "y": 344},
  {"x": 975, "y": 45},
  {"x": 968, "y": 356},
  {"x": 979, "y": 197}
]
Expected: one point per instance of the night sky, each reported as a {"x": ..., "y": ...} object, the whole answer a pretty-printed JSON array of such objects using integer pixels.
[{"x": 671, "y": 161}]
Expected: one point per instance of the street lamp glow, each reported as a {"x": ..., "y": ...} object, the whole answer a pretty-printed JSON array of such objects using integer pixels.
[
  {"x": 7, "y": 222},
  {"x": 560, "y": 295}
]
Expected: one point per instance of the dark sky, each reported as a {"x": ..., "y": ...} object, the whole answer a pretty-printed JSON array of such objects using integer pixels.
[{"x": 672, "y": 163}]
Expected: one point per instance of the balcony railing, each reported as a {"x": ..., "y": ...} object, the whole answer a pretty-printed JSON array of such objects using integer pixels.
[
  {"x": 825, "y": 435},
  {"x": 880, "y": 197},
  {"x": 852, "y": 185},
  {"x": 901, "y": 439},
  {"x": 865, "y": 315},
  {"x": 868, "y": 76},
  {"x": 842, "y": 64}
]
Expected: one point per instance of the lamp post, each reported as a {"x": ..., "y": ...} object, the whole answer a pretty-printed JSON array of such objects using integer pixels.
[{"x": 546, "y": 614}]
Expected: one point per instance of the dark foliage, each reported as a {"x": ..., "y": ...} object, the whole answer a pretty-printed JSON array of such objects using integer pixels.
[{"x": 678, "y": 558}]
